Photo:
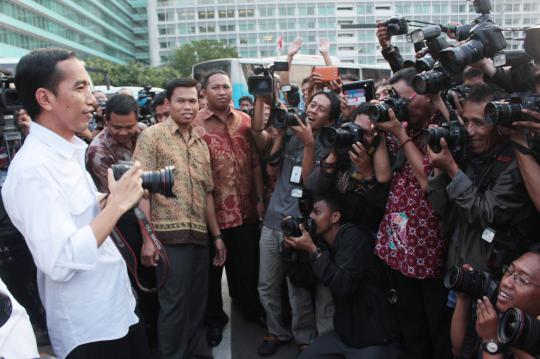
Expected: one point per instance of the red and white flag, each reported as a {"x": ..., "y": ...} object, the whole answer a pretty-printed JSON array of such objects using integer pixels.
[{"x": 280, "y": 43}]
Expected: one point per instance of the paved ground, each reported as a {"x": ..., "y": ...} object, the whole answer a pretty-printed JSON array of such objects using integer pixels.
[{"x": 240, "y": 338}]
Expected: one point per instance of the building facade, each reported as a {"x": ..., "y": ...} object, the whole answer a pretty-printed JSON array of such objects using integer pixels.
[
  {"x": 115, "y": 30},
  {"x": 254, "y": 26}
]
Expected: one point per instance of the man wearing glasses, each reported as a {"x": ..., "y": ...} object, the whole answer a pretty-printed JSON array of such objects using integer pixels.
[{"x": 519, "y": 288}]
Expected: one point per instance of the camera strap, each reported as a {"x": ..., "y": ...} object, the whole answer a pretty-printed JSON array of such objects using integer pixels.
[{"x": 130, "y": 257}]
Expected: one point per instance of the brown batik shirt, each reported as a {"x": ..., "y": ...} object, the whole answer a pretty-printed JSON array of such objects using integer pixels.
[
  {"x": 182, "y": 219},
  {"x": 233, "y": 162}
]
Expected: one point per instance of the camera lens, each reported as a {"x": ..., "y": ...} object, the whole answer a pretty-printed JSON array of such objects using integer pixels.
[
  {"x": 503, "y": 114},
  {"x": 424, "y": 64},
  {"x": 377, "y": 113},
  {"x": 453, "y": 277},
  {"x": 433, "y": 136},
  {"x": 291, "y": 227},
  {"x": 430, "y": 82},
  {"x": 520, "y": 330},
  {"x": 161, "y": 181},
  {"x": 329, "y": 137}
]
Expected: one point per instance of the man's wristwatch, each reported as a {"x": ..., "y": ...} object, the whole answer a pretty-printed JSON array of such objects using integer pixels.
[
  {"x": 219, "y": 236},
  {"x": 492, "y": 347},
  {"x": 315, "y": 255}
]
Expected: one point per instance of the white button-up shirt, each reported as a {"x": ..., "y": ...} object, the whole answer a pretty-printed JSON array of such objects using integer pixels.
[{"x": 51, "y": 199}]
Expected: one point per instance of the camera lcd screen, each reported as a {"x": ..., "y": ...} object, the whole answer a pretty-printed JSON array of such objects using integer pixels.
[{"x": 359, "y": 92}]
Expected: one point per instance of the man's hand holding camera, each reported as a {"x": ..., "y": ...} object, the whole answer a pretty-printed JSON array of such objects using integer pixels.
[
  {"x": 302, "y": 243},
  {"x": 443, "y": 160},
  {"x": 487, "y": 321},
  {"x": 127, "y": 191},
  {"x": 361, "y": 160},
  {"x": 304, "y": 133}
]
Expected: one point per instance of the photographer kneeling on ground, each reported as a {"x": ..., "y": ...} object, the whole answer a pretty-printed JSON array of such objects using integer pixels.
[
  {"x": 484, "y": 206},
  {"x": 364, "y": 323},
  {"x": 519, "y": 288}
]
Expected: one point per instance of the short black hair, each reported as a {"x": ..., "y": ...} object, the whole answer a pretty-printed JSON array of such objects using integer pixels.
[
  {"x": 484, "y": 93},
  {"x": 38, "y": 69},
  {"x": 334, "y": 200},
  {"x": 245, "y": 98},
  {"x": 335, "y": 109},
  {"x": 405, "y": 74},
  {"x": 362, "y": 109},
  {"x": 204, "y": 82},
  {"x": 306, "y": 80},
  {"x": 179, "y": 82},
  {"x": 159, "y": 100},
  {"x": 471, "y": 73},
  {"x": 121, "y": 104}
]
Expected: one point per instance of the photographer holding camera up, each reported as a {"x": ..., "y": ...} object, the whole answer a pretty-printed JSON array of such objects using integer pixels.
[
  {"x": 53, "y": 202},
  {"x": 295, "y": 153},
  {"x": 408, "y": 239},
  {"x": 484, "y": 330},
  {"x": 364, "y": 320},
  {"x": 482, "y": 201}
]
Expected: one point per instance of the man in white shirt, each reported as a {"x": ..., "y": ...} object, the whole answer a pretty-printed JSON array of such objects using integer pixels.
[{"x": 51, "y": 199}]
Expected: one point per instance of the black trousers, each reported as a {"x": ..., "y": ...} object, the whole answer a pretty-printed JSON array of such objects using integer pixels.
[
  {"x": 242, "y": 266},
  {"x": 132, "y": 346},
  {"x": 423, "y": 317}
]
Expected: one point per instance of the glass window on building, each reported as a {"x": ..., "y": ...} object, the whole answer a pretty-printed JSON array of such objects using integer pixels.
[
  {"x": 206, "y": 14},
  {"x": 166, "y": 16},
  {"x": 326, "y": 10},
  {"x": 226, "y": 13},
  {"x": 288, "y": 10},
  {"x": 226, "y": 28},
  {"x": 365, "y": 9},
  {"x": 306, "y": 10},
  {"x": 266, "y": 11},
  {"x": 246, "y": 12},
  {"x": 246, "y": 26}
]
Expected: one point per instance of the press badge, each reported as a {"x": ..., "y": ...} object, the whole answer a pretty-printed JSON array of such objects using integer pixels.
[
  {"x": 297, "y": 193},
  {"x": 296, "y": 175},
  {"x": 488, "y": 235}
]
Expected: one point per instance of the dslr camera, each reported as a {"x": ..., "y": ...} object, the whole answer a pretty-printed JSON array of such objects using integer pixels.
[
  {"x": 161, "y": 181},
  {"x": 283, "y": 118},
  {"x": 504, "y": 113},
  {"x": 9, "y": 99},
  {"x": 455, "y": 135},
  {"x": 520, "y": 330},
  {"x": 396, "y": 26},
  {"x": 290, "y": 226},
  {"x": 342, "y": 138},
  {"x": 379, "y": 112},
  {"x": 474, "y": 283}
]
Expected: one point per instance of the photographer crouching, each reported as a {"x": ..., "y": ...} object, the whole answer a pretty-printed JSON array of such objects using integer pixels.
[{"x": 364, "y": 322}]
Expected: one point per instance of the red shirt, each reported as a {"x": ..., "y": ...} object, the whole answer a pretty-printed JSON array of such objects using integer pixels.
[
  {"x": 233, "y": 160},
  {"x": 409, "y": 238}
]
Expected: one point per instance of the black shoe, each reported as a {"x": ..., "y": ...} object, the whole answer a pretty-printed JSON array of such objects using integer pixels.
[
  {"x": 214, "y": 335},
  {"x": 269, "y": 345}
]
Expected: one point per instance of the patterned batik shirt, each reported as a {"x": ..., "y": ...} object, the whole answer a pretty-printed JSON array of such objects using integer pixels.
[
  {"x": 182, "y": 219},
  {"x": 409, "y": 238},
  {"x": 233, "y": 160},
  {"x": 103, "y": 152}
]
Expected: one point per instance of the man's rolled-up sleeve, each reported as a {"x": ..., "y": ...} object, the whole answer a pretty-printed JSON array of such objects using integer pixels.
[{"x": 41, "y": 212}]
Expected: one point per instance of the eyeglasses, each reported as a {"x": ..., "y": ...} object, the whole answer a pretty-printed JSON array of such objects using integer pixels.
[{"x": 519, "y": 280}]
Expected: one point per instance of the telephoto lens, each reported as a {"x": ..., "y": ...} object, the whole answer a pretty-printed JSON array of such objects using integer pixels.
[
  {"x": 454, "y": 134},
  {"x": 520, "y": 330},
  {"x": 431, "y": 81},
  {"x": 499, "y": 113},
  {"x": 343, "y": 137},
  {"x": 160, "y": 181},
  {"x": 475, "y": 284}
]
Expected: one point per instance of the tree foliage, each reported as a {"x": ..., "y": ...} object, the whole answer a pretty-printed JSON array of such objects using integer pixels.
[
  {"x": 183, "y": 58},
  {"x": 132, "y": 74}
]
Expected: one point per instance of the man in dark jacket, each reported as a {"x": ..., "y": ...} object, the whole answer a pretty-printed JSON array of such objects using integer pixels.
[
  {"x": 484, "y": 205},
  {"x": 364, "y": 324}
]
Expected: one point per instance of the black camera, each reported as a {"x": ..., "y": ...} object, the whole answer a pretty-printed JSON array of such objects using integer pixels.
[
  {"x": 283, "y": 118},
  {"x": 485, "y": 40},
  {"x": 9, "y": 99},
  {"x": 161, "y": 181},
  {"x": 475, "y": 284},
  {"x": 396, "y": 26},
  {"x": 532, "y": 39},
  {"x": 520, "y": 330},
  {"x": 290, "y": 226},
  {"x": 462, "y": 91},
  {"x": 262, "y": 84},
  {"x": 434, "y": 80},
  {"x": 454, "y": 134},
  {"x": 504, "y": 113},
  {"x": 379, "y": 112},
  {"x": 343, "y": 137}
]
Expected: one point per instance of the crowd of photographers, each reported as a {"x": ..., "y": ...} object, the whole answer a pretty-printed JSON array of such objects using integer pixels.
[{"x": 358, "y": 219}]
